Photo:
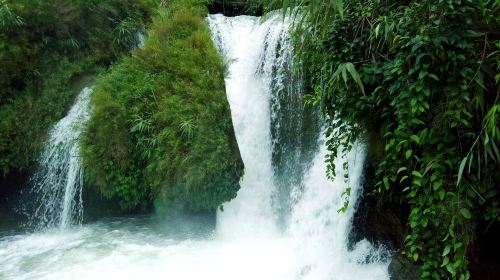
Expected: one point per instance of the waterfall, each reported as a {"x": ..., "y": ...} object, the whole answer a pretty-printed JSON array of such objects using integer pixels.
[
  {"x": 250, "y": 214},
  {"x": 284, "y": 193},
  {"x": 58, "y": 182},
  {"x": 284, "y": 223},
  {"x": 59, "y": 178}
]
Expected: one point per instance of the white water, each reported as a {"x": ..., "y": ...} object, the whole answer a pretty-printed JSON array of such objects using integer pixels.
[
  {"x": 250, "y": 215},
  {"x": 315, "y": 240},
  {"x": 247, "y": 242},
  {"x": 59, "y": 180}
]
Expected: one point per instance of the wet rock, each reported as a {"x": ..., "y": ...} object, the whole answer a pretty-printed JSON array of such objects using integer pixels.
[
  {"x": 379, "y": 221},
  {"x": 401, "y": 268}
]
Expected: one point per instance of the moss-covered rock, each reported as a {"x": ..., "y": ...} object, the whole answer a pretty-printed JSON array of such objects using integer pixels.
[
  {"x": 161, "y": 132},
  {"x": 46, "y": 47}
]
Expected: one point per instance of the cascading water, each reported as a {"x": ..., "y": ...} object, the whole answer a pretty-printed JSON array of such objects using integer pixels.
[
  {"x": 266, "y": 97},
  {"x": 59, "y": 180},
  {"x": 251, "y": 213},
  {"x": 283, "y": 224}
]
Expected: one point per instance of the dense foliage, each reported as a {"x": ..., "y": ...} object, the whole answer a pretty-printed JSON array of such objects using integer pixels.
[
  {"x": 162, "y": 131},
  {"x": 48, "y": 51},
  {"x": 423, "y": 77}
]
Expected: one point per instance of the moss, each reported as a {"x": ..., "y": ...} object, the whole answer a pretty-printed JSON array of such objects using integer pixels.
[
  {"x": 46, "y": 47},
  {"x": 161, "y": 131},
  {"x": 25, "y": 119}
]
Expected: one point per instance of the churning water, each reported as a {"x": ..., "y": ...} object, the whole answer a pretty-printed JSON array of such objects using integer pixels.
[{"x": 283, "y": 224}]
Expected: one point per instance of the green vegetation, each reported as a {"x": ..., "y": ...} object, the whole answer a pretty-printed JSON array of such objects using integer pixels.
[
  {"x": 161, "y": 131},
  {"x": 418, "y": 79},
  {"x": 423, "y": 77},
  {"x": 48, "y": 49}
]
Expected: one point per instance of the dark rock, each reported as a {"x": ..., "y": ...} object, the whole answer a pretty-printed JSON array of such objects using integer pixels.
[
  {"x": 484, "y": 259},
  {"x": 11, "y": 185},
  {"x": 401, "y": 268},
  {"x": 382, "y": 222},
  {"x": 236, "y": 7},
  {"x": 378, "y": 220}
]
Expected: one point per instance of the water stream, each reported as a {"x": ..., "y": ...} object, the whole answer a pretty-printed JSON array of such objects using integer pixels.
[
  {"x": 58, "y": 183},
  {"x": 283, "y": 224}
]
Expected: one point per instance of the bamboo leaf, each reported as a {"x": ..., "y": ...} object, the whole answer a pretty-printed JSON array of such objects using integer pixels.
[
  {"x": 479, "y": 80},
  {"x": 470, "y": 161},
  {"x": 354, "y": 74},
  {"x": 344, "y": 73},
  {"x": 495, "y": 149},
  {"x": 461, "y": 170},
  {"x": 285, "y": 7}
]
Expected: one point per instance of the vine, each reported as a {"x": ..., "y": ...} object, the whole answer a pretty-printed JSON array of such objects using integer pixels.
[{"x": 423, "y": 76}]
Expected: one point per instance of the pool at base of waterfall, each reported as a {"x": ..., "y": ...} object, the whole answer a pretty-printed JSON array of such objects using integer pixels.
[{"x": 143, "y": 248}]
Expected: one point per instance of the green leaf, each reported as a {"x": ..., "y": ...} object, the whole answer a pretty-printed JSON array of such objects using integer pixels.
[
  {"x": 415, "y": 257},
  {"x": 403, "y": 178},
  {"x": 285, "y": 7},
  {"x": 470, "y": 161},
  {"x": 472, "y": 33},
  {"x": 377, "y": 29},
  {"x": 401, "y": 169},
  {"x": 466, "y": 213},
  {"x": 450, "y": 268},
  {"x": 408, "y": 154},
  {"x": 446, "y": 251},
  {"x": 344, "y": 73},
  {"x": 386, "y": 182},
  {"x": 442, "y": 193},
  {"x": 446, "y": 261},
  {"x": 436, "y": 185},
  {"x": 434, "y": 77},
  {"x": 461, "y": 170},
  {"x": 355, "y": 76},
  {"x": 417, "y": 174},
  {"x": 415, "y": 138}
]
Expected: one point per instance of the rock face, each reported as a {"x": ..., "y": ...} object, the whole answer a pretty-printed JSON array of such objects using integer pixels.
[
  {"x": 383, "y": 223},
  {"x": 10, "y": 189},
  {"x": 483, "y": 256},
  {"x": 380, "y": 222},
  {"x": 402, "y": 269}
]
